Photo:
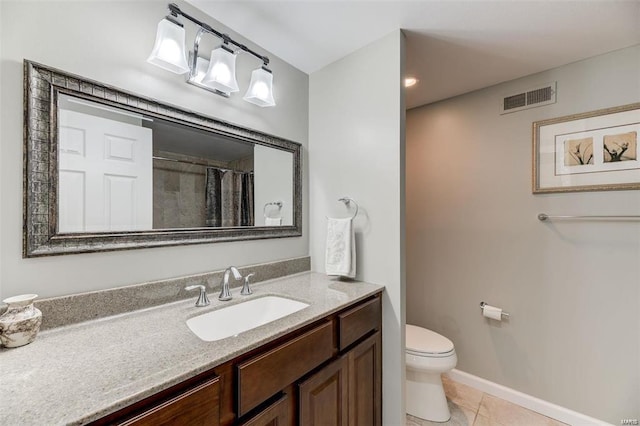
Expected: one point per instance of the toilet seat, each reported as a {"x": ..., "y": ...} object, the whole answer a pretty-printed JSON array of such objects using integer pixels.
[
  {"x": 422, "y": 342},
  {"x": 431, "y": 355}
]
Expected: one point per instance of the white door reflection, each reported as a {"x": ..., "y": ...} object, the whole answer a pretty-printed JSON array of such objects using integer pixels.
[{"x": 105, "y": 172}]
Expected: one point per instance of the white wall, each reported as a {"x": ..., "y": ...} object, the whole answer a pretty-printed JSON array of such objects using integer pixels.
[
  {"x": 572, "y": 288},
  {"x": 110, "y": 42},
  {"x": 273, "y": 182},
  {"x": 2, "y": 41},
  {"x": 356, "y": 149}
]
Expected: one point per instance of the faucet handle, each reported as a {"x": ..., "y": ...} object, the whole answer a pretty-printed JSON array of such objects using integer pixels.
[
  {"x": 203, "y": 300},
  {"x": 245, "y": 287}
]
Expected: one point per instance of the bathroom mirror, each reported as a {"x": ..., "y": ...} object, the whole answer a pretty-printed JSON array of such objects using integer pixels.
[{"x": 106, "y": 169}]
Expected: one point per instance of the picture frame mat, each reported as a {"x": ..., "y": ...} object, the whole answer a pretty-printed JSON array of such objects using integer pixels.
[
  {"x": 599, "y": 164},
  {"x": 545, "y": 178}
]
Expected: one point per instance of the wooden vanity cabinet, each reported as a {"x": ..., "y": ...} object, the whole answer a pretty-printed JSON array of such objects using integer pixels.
[
  {"x": 343, "y": 359},
  {"x": 349, "y": 390},
  {"x": 327, "y": 373}
]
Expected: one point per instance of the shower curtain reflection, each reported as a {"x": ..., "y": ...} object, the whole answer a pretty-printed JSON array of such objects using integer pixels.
[
  {"x": 229, "y": 198},
  {"x": 247, "y": 216},
  {"x": 213, "y": 197}
]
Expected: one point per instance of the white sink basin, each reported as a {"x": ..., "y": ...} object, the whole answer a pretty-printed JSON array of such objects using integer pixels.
[{"x": 235, "y": 319}]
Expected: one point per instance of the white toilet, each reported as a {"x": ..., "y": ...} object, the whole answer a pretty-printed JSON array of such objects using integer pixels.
[{"x": 428, "y": 355}]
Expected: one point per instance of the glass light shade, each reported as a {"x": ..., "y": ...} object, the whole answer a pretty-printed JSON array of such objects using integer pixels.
[
  {"x": 260, "y": 91},
  {"x": 169, "y": 52},
  {"x": 221, "y": 74}
]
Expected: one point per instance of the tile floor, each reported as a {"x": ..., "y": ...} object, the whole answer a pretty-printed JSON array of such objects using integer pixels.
[{"x": 471, "y": 407}]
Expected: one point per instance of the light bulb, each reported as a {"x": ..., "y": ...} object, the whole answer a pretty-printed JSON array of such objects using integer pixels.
[{"x": 410, "y": 81}]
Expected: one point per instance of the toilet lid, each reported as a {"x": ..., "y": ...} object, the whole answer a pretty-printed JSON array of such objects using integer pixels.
[{"x": 421, "y": 340}]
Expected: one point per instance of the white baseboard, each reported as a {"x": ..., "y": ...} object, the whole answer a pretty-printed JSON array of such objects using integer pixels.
[{"x": 527, "y": 401}]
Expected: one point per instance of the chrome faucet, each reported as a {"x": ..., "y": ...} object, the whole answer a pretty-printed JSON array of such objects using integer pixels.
[
  {"x": 203, "y": 300},
  {"x": 225, "y": 294}
]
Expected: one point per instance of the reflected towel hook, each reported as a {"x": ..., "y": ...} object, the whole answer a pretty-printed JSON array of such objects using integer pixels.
[
  {"x": 272, "y": 203},
  {"x": 348, "y": 200}
]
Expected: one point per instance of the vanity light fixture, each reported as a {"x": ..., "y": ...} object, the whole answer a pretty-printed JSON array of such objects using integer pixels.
[
  {"x": 260, "y": 89},
  {"x": 221, "y": 74},
  {"x": 168, "y": 51},
  {"x": 218, "y": 74}
]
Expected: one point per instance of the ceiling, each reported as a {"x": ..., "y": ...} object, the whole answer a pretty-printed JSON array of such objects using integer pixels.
[
  {"x": 193, "y": 142},
  {"x": 453, "y": 47}
]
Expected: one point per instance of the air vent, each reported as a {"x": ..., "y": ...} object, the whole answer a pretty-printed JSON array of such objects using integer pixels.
[
  {"x": 515, "y": 101},
  {"x": 531, "y": 98}
]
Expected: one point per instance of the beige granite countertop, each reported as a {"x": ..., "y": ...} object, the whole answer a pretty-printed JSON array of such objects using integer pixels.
[{"x": 82, "y": 372}]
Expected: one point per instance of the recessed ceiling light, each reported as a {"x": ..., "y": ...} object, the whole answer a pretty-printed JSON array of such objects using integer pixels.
[{"x": 410, "y": 81}]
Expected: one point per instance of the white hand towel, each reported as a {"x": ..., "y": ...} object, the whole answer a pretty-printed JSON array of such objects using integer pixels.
[
  {"x": 273, "y": 221},
  {"x": 341, "y": 248}
]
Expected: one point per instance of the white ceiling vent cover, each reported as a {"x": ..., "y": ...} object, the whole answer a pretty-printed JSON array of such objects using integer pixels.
[{"x": 530, "y": 98}]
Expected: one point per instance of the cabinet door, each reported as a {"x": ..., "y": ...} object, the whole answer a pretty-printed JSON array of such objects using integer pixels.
[
  {"x": 197, "y": 406},
  {"x": 324, "y": 396},
  {"x": 365, "y": 382},
  {"x": 277, "y": 414}
]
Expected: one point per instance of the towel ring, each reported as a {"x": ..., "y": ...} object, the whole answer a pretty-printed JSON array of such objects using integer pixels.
[
  {"x": 348, "y": 200},
  {"x": 272, "y": 203}
]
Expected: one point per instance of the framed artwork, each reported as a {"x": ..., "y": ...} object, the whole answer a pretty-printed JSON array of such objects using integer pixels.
[{"x": 592, "y": 151}]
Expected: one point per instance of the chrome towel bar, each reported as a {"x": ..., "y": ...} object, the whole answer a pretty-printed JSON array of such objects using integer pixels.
[{"x": 543, "y": 217}]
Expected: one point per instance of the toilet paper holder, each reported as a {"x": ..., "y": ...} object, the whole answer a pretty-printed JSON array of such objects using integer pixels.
[{"x": 504, "y": 314}]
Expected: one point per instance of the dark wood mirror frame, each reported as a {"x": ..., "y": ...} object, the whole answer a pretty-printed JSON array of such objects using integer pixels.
[{"x": 42, "y": 85}]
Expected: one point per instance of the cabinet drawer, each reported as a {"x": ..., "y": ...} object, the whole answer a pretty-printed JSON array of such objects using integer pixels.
[
  {"x": 359, "y": 321},
  {"x": 264, "y": 375},
  {"x": 196, "y": 406}
]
